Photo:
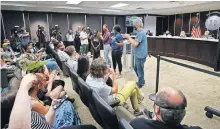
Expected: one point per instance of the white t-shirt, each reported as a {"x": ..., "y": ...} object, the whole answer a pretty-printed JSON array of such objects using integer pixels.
[{"x": 84, "y": 35}]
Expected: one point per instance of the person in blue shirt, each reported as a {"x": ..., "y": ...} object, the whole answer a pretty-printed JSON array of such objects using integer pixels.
[
  {"x": 117, "y": 47},
  {"x": 140, "y": 48}
]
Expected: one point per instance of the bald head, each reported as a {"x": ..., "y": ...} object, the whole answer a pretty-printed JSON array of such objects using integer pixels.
[
  {"x": 170, "y": 105},
  {"x": 171, "y": 96}
]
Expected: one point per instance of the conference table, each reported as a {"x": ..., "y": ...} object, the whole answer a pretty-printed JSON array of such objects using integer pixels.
[{"x": 198, "y": 50}]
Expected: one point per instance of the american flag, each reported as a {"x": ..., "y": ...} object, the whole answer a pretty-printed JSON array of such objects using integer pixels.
[{"x": 196, "y": 31}]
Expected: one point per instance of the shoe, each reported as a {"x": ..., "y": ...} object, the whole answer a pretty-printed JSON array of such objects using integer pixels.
[
  {"x": 148, "y": 113},
  {"x": 138, "y": 113}
]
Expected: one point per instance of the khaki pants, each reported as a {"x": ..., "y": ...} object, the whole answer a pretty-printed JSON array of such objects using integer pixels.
[{"x": 130, "y": 89}]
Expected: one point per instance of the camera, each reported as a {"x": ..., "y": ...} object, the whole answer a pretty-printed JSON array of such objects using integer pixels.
[{"x": 16, "y": 31}]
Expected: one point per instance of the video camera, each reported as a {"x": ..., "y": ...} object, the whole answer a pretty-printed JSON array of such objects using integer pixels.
[{"x": 16, "y": 31}]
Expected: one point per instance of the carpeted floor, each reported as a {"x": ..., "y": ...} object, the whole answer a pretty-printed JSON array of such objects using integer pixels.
[{"x": 201, "y": 89}]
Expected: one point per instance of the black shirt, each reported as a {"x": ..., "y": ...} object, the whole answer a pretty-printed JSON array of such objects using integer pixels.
[
  {"x": 142, "y": 123},
  {"x": 96, "y": 41}
]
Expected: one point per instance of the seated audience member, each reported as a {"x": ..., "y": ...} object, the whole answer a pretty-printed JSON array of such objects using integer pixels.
[
  {"x": 83, "y": 69},
  {"x": 72, "y": 62},
  {"x": 52, "y": 43},
  {"x": 60, "y": 51},
  {"x": 83, "y": 66},
  {"x": 66, "y": 114},
  {"x": 149, "y": 33},
  {"x": 7, "y": 101},
  {"x": 206, "y": 34},
  {"x": 6, "y": 65},
  {"x": 21, "y": 116},
  {"x": 182, "y": 34},
  {"x": 95, "y": 80},
  {"x": 169, "y": 109},
  {"x": 7, "y": 52},
  {"x": 29, "y": 61}
]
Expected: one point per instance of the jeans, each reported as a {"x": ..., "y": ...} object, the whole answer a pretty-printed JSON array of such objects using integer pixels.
[
  {"x": 116, "y": 59},
  {"x": 139, "y": 69},
  {"x": 130, "y": 89},
  {"x": 107, "y": 49},
  {"x": 51, "y": 64}
]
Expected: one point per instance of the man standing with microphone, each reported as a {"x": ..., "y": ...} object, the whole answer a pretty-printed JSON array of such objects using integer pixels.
[{"x": 140, "y": 50}]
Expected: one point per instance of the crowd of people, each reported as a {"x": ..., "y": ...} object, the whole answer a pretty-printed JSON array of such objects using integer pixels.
[{"x": 39, "y": 100}]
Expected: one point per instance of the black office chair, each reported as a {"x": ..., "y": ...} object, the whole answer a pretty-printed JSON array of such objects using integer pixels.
[
  {"x": 123, "y": 124},
  {"x": 87, "y": 99},
  {"x": 4, "y": 78},
  {"x": 106, "y": 112},
  {"x": 65, "y": 68},
  {"x": 74, "y": 78}
]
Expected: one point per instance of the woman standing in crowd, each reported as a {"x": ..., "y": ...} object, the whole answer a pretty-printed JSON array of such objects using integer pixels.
[
  {"x": 117, "y": 47},
  {"x": 95, "y": 43},
  {"x": 70, "y": 38},
  {"x": 84, "y": 40},
  {"x": 77, "y": 41},
  {"x": 106, "y": 43}
]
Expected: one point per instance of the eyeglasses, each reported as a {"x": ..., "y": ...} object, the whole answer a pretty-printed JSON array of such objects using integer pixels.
[{"x": 169, "y": 107}]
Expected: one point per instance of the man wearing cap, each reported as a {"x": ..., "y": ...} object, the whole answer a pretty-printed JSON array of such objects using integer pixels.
[{"x": 169, "y": 111}]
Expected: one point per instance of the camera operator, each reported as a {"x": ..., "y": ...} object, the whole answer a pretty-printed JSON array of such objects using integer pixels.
[
  {"x": 56, "y": 33},
  {"x": 15, "y": 38},
  {"x": 41, "y": 34}
]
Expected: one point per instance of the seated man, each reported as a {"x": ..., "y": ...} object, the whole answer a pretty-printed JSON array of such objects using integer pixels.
[
  {"x": 182, "y": 34},
  {"x": 60, "y": 51},
  {"x": 72, "y": 62},
  {"x": 98, "y": 71},
  {"x": 169, "y": 109}
]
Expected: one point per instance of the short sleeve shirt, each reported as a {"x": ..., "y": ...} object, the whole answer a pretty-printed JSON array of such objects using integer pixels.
[
  {"x": 84, "y": 35},
  {"x": 141, "y": 50},
  {"x": 118, "y": 38},
  {"x": 63, "y": 55},
  {"x": 101, "y": 88}
]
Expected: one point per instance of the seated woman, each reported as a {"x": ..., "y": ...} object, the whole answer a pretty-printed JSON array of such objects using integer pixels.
[
  {"x": 83, "y": 69},
  {"x": 66, "y": 114},
  {"x": 95, "y": 80},
  {"x": 16, "y": 110},
  {"x": 72, "y": 62},
  {"x": 182, "y": 34}
]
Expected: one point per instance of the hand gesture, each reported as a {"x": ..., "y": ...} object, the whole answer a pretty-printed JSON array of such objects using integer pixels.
[
  {"x": 52, "y": 76},
  {"x": 28, "y": 81},
  {"x": 127, "y": 36}
]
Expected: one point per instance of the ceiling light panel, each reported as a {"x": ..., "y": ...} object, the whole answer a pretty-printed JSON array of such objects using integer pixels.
[
  {"x": 119, "y": 5},
  {"x": 73, "y": 2}
]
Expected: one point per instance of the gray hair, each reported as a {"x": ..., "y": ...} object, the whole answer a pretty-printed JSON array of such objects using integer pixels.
[
  {"x": 171, "y": 113},
  {"x": 98, "y": 67},
  {"x": 138, "y": 22}
]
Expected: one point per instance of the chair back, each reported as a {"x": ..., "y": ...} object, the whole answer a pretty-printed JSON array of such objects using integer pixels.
[
  {"x": 123, "y": 124},
  {"x": 65, "y": 68},
  {"x": 86, "y": 97},
  {"x": 106, "y": 112},
  {"x": 74, "y": 78},
  {"x": 4, "y": 78}
]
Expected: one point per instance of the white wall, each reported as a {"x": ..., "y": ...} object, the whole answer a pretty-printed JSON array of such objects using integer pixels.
[{"x": 150, "y": 24}]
